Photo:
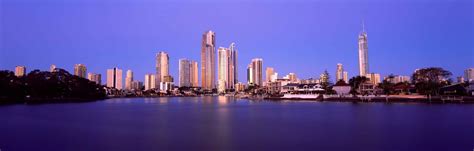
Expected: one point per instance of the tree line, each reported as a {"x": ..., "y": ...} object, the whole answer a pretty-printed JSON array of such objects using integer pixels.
[{"x": 44, "y": 86}]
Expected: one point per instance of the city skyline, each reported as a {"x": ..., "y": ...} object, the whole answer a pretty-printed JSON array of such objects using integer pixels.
[{"x": 396, "y": 46}]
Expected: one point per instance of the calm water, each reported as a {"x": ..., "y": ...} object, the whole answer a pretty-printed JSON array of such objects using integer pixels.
[{"x": 219, "y": 123}]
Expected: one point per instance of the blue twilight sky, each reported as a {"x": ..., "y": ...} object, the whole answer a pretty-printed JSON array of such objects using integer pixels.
[{"x": 302, "y": 36}]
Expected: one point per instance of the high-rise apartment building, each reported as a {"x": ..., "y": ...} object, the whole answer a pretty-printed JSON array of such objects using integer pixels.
[
  {"x": 185, "y": 73},
  {"x": 150, "y": 80},
  {"x": 269, "y": 71},
  {"x": 162, "y": 66},
  {"x": 20, "y": 71},
  {"x": 226, "y": 67},
  {"x": 339, "y": 72},
  {"x": 345, "y": 77},
  {"x": 374, "y": 78},
  {"x": 80, "y": 70},
  {"x": 194, "y": 74},
  {"x": 363, "y": 53},
  {"x": 128, "y": 80},
  {"x": 208, "y": 60},
  {"x": 114, "y": 78},
  {"x": 95, "y": 78},
  {"x": 256, "y": 71},
  {"x": 469, "y": 74}
]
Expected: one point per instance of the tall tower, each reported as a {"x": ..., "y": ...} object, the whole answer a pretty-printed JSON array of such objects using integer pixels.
[
  {"x": 363, "y": 53},
  {"x": 339, "y": 72},
  {"x": 114, "y": 78},
  {"x": 184, "y": 73},
  {"x": 80, "y": 70},
  {"x": 268, "y": 74},
  {"x": 257, "y": 64},
  {"x": 222, "y": 69},
  {"x": 232, "y": 66},
  {"x": 208, "y": 60},
  {"x": 128, "y": 80},
  {"x": 194, "y": 74},
  {"x": 162, "y": 66}
]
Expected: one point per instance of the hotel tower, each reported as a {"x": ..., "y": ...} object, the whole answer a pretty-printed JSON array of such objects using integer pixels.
[
  {"x": 208, "y": 65},
  {"x": 363, "y": 53}
]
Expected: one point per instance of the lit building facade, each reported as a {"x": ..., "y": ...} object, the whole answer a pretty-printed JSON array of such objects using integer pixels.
[
  {"x": 226, "y": 68},
  {"x": 114, "y": 78},
  {"x": 256, "y": 72},
  {"x": 80, "y": 70},
  {"x": 162, "y": 66},
  {"x": 269, "y": 71},
  {"x": 97, "y": 78},
  {"x": 194, "y": 74},
  {"x": 20, "y": 71},
  {"x": 150, "y": 80},
  {"x": 208, "y": 65},
  {"x": 339, "y": 72},
  {"x": 185, "y": 75},
  {"x": 363, "y": 53},
  {"x": 345, "y": 77},
  {"x": 469, "y": 74},
  {"x": 374, "y": 78},
  {"x": 52, "y": 68},
  {"x": 128, "y": 80}
]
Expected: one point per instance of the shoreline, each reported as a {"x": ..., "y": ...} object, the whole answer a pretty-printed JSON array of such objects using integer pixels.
[{"x": 377, "y": 99}]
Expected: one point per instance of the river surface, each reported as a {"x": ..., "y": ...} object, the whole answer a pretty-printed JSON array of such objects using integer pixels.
[{"x": 221, "y": 123}]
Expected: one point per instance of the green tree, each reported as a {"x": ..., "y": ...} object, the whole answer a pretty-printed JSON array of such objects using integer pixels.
[
  {"x": 428, "y": 80},
  {"x": 355, "y": 83},
  {"x": 387, "y": 85}
]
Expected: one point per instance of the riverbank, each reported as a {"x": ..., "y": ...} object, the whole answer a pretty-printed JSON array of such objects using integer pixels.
[
  {"x": 361, "y": 99},
  {"x": 394, "y": 99}
]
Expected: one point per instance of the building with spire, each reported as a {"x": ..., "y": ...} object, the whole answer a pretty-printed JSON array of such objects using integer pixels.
[{"x": 363, "y": 53}]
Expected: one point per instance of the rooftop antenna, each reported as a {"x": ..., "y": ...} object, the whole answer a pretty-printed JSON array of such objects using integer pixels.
[{"x": 363, "y": 26}]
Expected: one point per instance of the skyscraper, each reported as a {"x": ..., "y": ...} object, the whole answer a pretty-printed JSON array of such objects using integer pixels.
[
  {"x": 469, "y": 74},
  {"x": 52, "y": 68},
  {"x": 232, "y": 66},
  {"x": 128, "y": 80},
  {"x": 363, "y": 53},
  {"x": 268, "y": 74},
  {"x": 227, "y": 67},
  {"x": 20, "y": 71},
  {"x": 150, "y": 81},
  {"x": 114, "y": 78},
  {"x": 339, "y": 72},
  {"x": 208, "y": 60},
  {"x": 94, "y": 78},
  {"x": 345, "y": 77},
  {"x": 194, "y": 74},
  {"x": 222, "y": 69},
  {"x": 80, "y": 70},
  {"x": 162, "y": 66},
  {"x": 185, "y": 72},
  {"x": 250, "y": 73},
  {"x": 256, "y": 74}
]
